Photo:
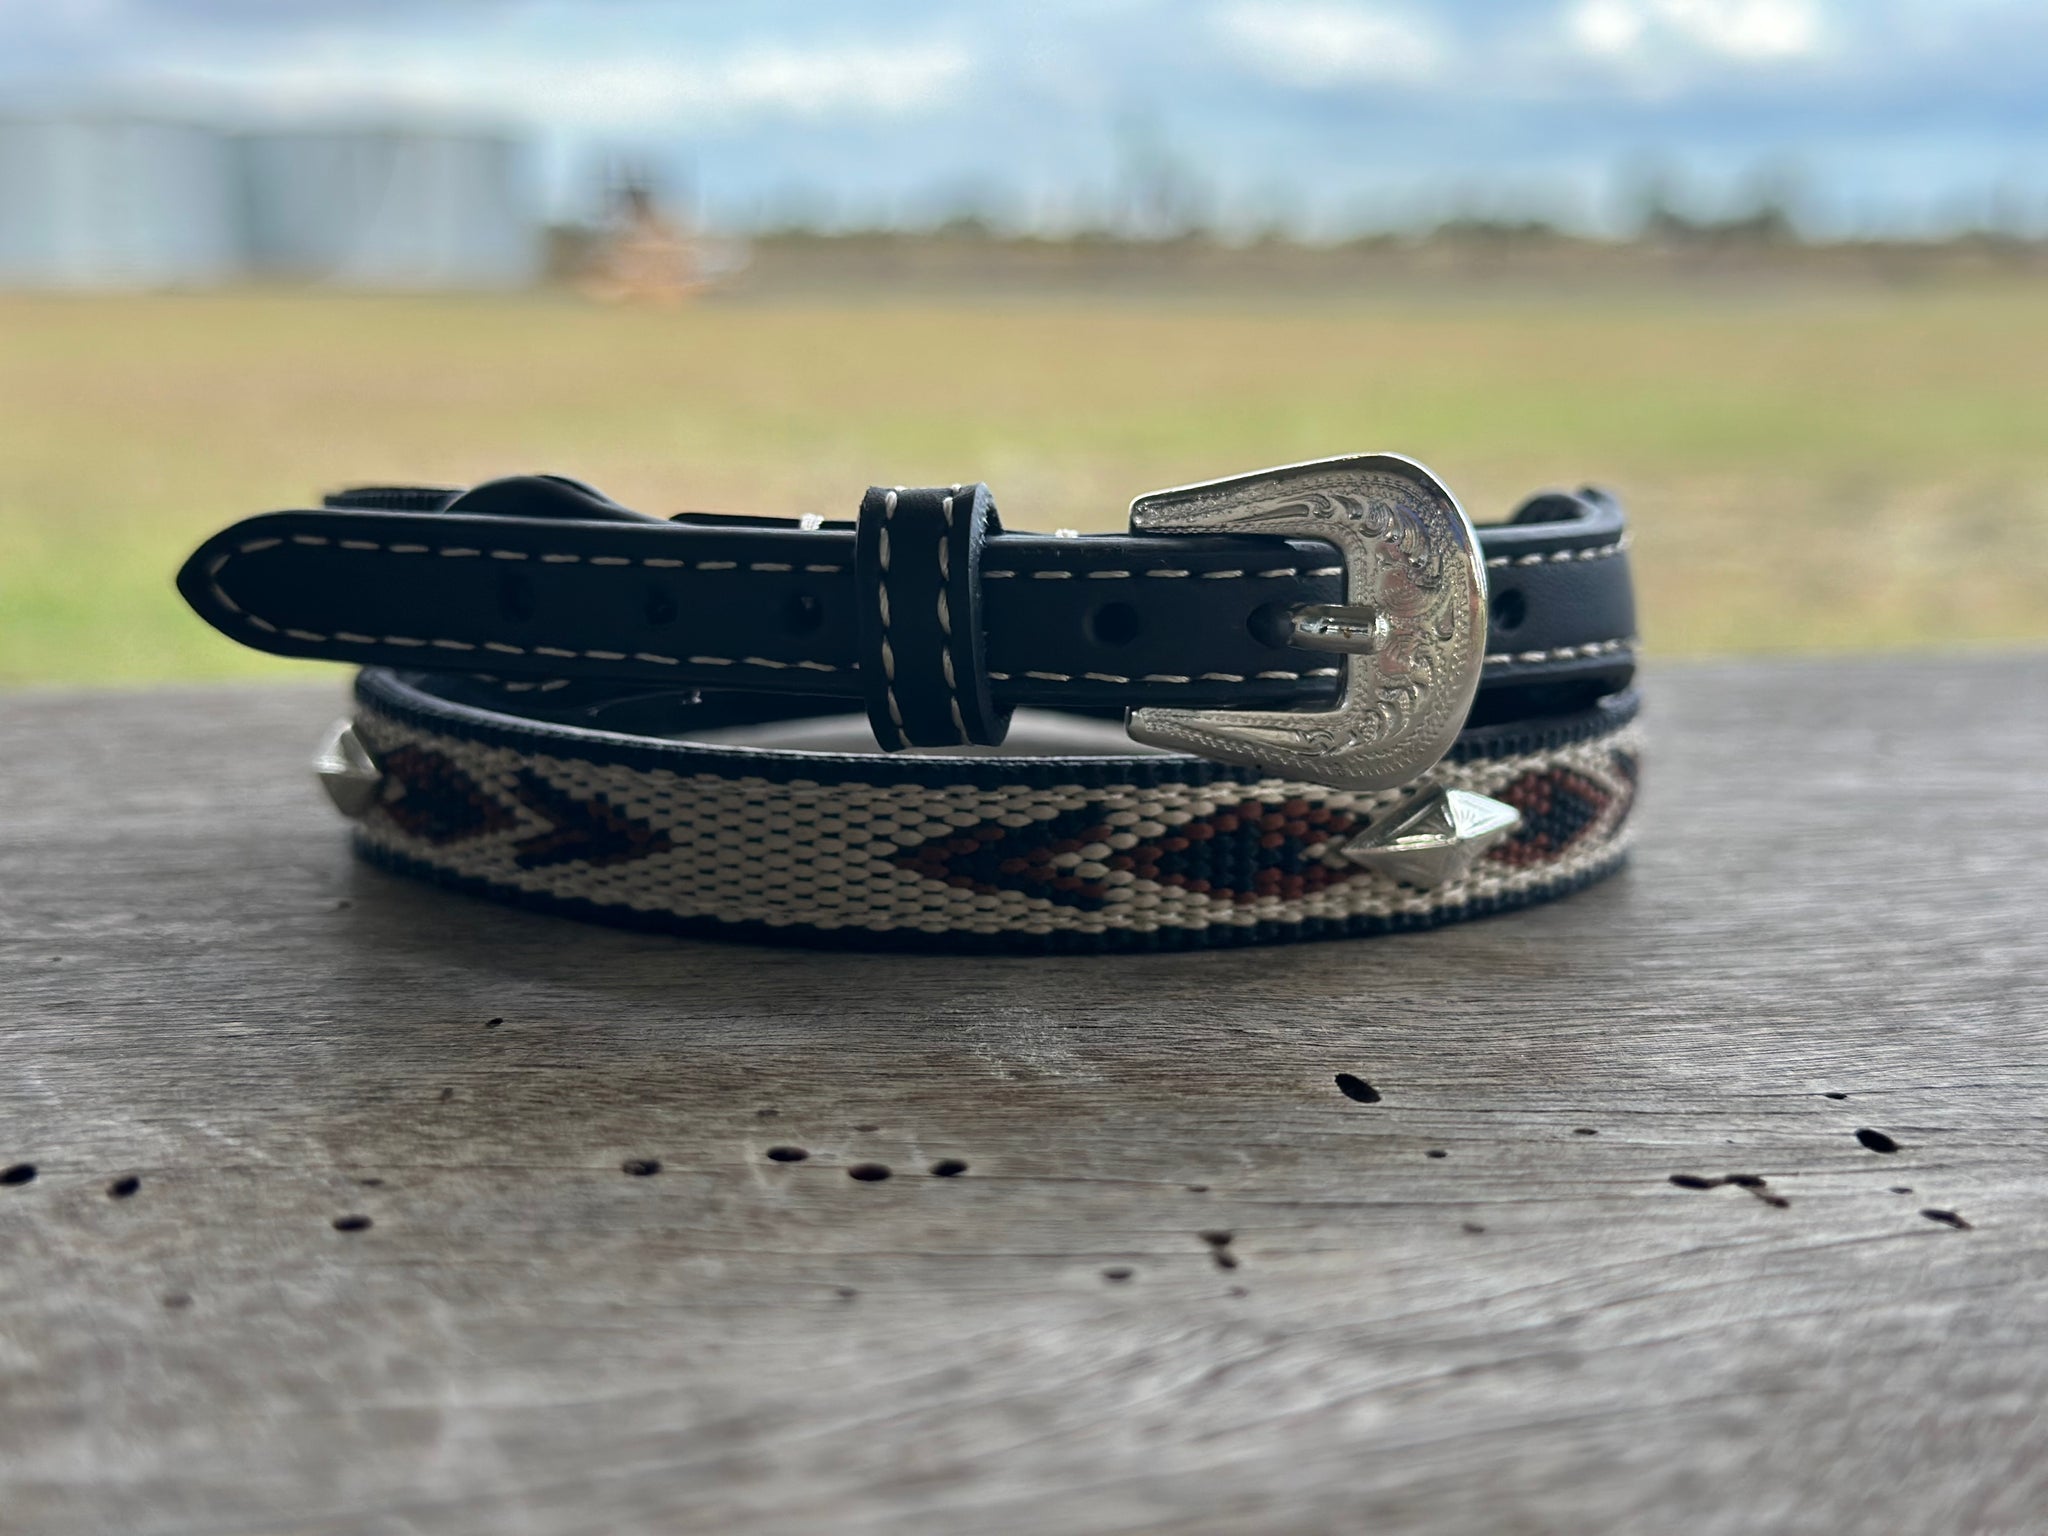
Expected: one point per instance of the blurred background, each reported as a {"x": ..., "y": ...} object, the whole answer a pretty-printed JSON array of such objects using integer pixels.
[{"x": 1774, "y": 270}]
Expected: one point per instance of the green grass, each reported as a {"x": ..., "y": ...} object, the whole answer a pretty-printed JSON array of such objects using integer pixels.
[{"x": 1857, "y": 470}]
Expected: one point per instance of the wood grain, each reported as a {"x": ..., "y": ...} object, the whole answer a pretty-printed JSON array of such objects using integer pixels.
[{"x": 1835, "y": 922}]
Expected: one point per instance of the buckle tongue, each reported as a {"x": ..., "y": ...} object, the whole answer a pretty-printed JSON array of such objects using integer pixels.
[{"x": 1411, "y": 629}]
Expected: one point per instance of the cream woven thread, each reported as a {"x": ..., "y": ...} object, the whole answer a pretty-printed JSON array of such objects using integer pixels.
[{"x": 802, "y": 853}]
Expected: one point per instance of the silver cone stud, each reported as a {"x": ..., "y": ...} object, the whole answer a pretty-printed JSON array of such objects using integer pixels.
[
  {"x": 1435, "y": 839},
  {"x": 347, "y": 771}
]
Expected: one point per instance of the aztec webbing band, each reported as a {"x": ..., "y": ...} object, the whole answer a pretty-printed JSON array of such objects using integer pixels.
[{"x": 1394, "y": 720}]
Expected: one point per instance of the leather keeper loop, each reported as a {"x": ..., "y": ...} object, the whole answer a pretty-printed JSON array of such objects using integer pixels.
[{"x": 923, "y": 648}]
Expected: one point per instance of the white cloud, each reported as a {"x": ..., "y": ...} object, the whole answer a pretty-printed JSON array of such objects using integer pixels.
[
  {"x": 1744, "y": 31},
  {"x": 617, "y": 93},
  {"x": 1324, "y": 45}
]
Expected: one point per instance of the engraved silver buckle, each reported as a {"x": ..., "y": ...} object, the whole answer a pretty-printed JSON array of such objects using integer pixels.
[{"x": 1411, "y": 628}]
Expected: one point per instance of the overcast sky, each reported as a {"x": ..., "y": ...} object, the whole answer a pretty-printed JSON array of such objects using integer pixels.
[{"x": 1325, "y": 113}]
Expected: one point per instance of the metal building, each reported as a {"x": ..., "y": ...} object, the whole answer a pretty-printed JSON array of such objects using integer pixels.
[
  {"x": 126, "y": 203},
  {"x": 388, "y": 209},
  {"x": 108, "y": 203}
]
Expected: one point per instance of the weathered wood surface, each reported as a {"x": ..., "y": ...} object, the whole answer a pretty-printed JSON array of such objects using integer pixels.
[{"x": 1456, "y": 1309}]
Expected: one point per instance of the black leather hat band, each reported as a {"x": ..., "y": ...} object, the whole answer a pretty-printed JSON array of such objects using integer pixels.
[{"x": 591, "y": 591}]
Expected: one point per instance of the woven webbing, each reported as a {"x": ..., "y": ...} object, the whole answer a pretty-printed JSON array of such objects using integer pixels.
[{"x": 1072, "y": 854}]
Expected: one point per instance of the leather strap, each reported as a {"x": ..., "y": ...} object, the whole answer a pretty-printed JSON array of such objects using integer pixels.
[
  {"x": 538, "y": 585},
  {"x": 923, "y": 635}
]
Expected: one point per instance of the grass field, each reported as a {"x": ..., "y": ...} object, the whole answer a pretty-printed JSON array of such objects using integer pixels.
[{"x": 1856, "y": 469}]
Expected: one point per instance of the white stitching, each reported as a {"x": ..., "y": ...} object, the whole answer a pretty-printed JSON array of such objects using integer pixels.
[
  {"x": 945, "y": 555},
  {"x": 1561, "y": 556},
  {"x": 1563, "y": 652},
  {"x": 882, "y": 608},
  {"x": 252, "y": 546},
  {"x": 1166, "y": 677},
  {"x": 1168, "y": 574}
]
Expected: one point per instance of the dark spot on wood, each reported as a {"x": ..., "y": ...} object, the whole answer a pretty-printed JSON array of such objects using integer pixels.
[
  {"x": 1753, "y": 1182},
  {"x": 1237, "y": 1290},
  {"x": 176, "y": 1301},
  {"x": 1436, "y": 1152},
  {"x": 1218, "y": 1239},
  {"x": 492, "y": 1023},
  {"x": 1877, "y": 1141},
  {"x": 1473, "y": 1226},
  {"x": 1224, "y": 1258},
  {"x": 1947, "y": 1219},
  {"x": 20, "y": 1173},
  {"x": 343, "y": 905},
  {"x": 447, "y": 1094},
  {"x": 351, "y": 1223},
  {"x": 1756, "y": 1184},
  {"x": 1357, "y": 1088},
  {"x": 1834, "y": 1095},
  {"x": 123, "y": 1187},
  {"x": 1117, "y": 1273},
  {"x": 866, "y": 1128},
  {"x": 1198, "y": 1189},
  {"x": 1902, "y": 1189},
  {"x": 766, "y": 1114},
  {"x": 868, "y": 1173},
  {"x": 1584, "y": 1130},
  {"x": 845, "y": 1292},
  {"x": 787, "y": 1154},
  {"x": 948, "y": 1168},
  {"x": 371, "y": 1183},
  {"x": 641, "y": 1167}
]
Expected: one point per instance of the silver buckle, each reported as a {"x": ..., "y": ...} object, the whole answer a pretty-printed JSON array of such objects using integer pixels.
[{"x": 1411, "y": 628}]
